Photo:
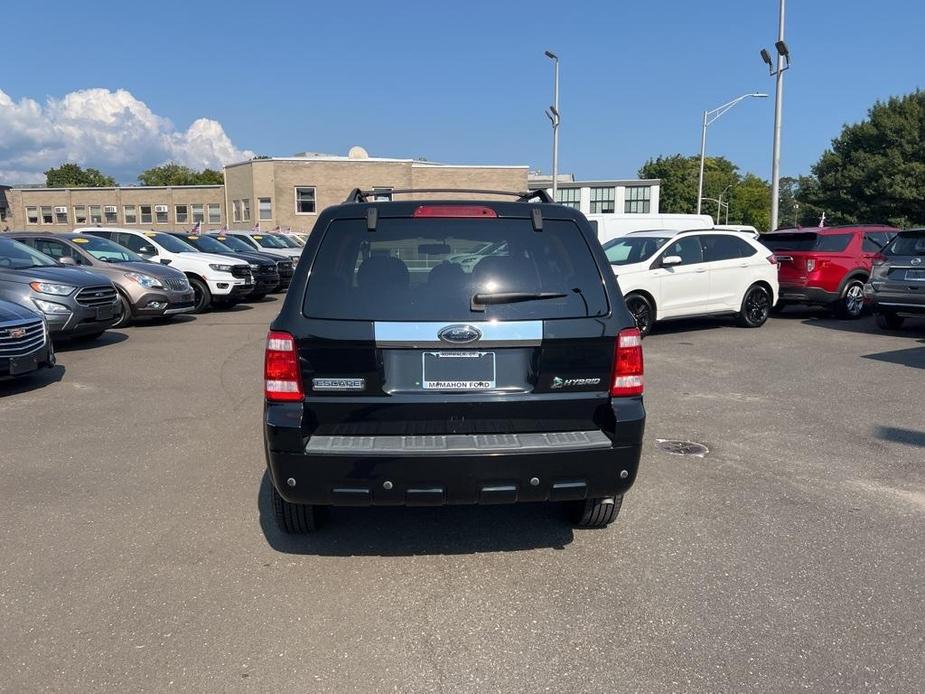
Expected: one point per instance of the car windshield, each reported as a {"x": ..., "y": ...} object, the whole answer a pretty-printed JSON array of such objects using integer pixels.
[
  {"x": 18, "y": 256},
  {"x": 233, "y": 243},
  {"x": 806, "y": 241},
  {"x": 633, "y": 249},
  {"x": 206, "y": 244},
  {"x": 907, "y": 243},
  {"x": 106, "y": 250},
  {"x": 170, "y": 243},
  {"x": 405, "y": 271},
  {"x": 286, "y": 241},
  {"x": 268, "y": 241}
]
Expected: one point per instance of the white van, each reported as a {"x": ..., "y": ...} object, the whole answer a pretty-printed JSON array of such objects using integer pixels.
[{"x": 611, "y": 226}]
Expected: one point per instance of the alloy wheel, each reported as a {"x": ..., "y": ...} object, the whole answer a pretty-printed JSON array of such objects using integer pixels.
[
  {"x": 757, "y": 306},
  {"x": 642, "y": 313},
  {"x": 854, "y": 299}
]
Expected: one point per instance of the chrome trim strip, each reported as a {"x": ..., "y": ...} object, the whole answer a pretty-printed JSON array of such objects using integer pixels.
[
  {"x": 894, "y": 303},
  {"x": 456, "y": 444},
  {"x": 568, "y": 485},
  {"x": 494, "y": 334},
  {"x": 500, "y": 488}
]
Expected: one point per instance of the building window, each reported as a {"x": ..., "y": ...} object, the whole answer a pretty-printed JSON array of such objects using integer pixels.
[
  {"x": 382, "y": 193},
  {"x": 145, "y": 214},
  {"x": 637, "y": 199},
  {"x": 197, "y": 213},
  {"x": 60, "y": 215},
  {"x": 32, "y": 215},
  {"x": 96, "y": 214},
  {"x": 304, "y": 200},
  {"x": 80, "y": 214},
  {"x": 570, "y": 197},
  {"x": 236, "y": 207},
  {"x": 265, "y": 208},
  {"x": 215, "y": 213},
  {"x": 160, "y": 213},
  {"x": 245, "y": 210},
  {"x": 2, "y": 213},
  {"x": 182, "y": 213},
  {"x": 602, "y": 201},
  {"x": 47, "y": 216},
  {"x": 131, "y": 217},
  {"x": 110, "y": 212}
]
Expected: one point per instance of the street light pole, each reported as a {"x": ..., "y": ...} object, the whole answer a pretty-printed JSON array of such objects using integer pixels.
[
  {"x": 708, "y": 118},
  {"x": 553, "y": 115},
  {"x": 778, "y": 109}
]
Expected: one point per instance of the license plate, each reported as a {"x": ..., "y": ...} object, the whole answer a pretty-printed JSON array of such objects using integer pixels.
[
  {"x": 23, "y": 365},
  {"x": 458, "y": 371},
  {"x": 104, "y": 313},
  {"x": 915, "y": 275}
]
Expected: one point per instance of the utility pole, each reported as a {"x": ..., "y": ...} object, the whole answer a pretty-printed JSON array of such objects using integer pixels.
[
  {"x": 783, "y": 63},
  {"x": 553, "y": 115}
]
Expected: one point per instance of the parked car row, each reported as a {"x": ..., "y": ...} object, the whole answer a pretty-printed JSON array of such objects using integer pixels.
[
  {"x": 80, "y": 284},
  {"x": 668, "y": 274}
]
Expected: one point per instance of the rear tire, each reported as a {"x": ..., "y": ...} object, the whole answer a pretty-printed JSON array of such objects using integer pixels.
[
  {"x": 889, "y": 321},
  {"x": 595, "y": 513},
  {"x": 756, "y": 307},
  {"x": 851, "y": 304},
  {"x": 293, "y": 519},
  {"x": 203, "y": 297},
  {"x": 642, "y": 311}
]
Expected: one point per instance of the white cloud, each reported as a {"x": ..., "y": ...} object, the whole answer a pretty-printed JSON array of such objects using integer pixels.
[{"x": 111, "y": 131}]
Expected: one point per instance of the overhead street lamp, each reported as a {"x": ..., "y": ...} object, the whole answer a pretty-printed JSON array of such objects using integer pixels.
[
  {"x": 708, "y": 118},
  {"x": 553, "y": 114},
  {"x": 783, "y": 63}
]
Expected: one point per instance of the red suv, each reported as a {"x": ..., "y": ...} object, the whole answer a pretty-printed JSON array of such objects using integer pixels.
[{"x": 827, "y": 266}]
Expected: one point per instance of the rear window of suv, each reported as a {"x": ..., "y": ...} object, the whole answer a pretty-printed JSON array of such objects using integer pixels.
[
  {"x": 429, "y": 270},
  {"x": 907, "y": 243},
  {"x": 823, "y": 243}
]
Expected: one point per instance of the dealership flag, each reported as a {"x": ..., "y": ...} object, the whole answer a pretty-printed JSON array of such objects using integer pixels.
[{"x": 197, "y": 228}]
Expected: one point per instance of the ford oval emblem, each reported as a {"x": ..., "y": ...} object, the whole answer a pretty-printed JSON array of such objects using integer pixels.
[
  {"x": 460, "y": 334},
  {"x": 916, "y": 261}
]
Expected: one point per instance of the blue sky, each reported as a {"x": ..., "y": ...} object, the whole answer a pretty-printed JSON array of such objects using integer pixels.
[{"x": 467, "y": 82}]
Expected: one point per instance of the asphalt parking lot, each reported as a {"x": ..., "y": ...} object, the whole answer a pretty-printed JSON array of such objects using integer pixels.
[{"x": 138, "y": 553}]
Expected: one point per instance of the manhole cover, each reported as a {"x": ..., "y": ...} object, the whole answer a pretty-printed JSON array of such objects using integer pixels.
[{"x": 691, "y": 448}]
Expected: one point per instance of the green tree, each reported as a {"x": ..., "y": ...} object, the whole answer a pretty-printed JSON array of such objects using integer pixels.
[
  {"x": 73, "y": 176},
  {"x": 679, "y": 176},
  {"x": 173, "y": 174},
  {"x": 875, "y": 169}
]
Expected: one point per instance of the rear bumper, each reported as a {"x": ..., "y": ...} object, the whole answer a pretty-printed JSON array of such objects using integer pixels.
[
  {"x": 797, "y": 294},
  {"x": 897, "y": 302},
  {"x": 451, "y": 469}
]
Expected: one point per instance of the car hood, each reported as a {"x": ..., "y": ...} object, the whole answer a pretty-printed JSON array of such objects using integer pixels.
[
  {"x": 62, "y": 275},
  {"x": 158, "y": 270},
  {"x": 14, "y": 312},
  {"x": 255, "y": 257},
  {"x": 632, "y": 268},
  {"x": 213, "y": 258}
]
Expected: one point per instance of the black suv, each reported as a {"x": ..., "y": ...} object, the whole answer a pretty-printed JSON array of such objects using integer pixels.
[{"x": 394, "y": 376}]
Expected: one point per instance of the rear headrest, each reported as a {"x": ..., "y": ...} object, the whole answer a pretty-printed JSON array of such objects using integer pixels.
[{"x": 383, "y": 271}]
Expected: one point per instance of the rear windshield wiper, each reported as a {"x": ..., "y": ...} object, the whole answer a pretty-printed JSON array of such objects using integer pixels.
[{"x": 480, "y": 301}]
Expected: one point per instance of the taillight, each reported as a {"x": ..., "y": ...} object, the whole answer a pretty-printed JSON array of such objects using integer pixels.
[
  {"x": 772, "y": 259},
  {"x": 454, "y": 211},
  {"x": 627, "y": 364},
  {"x": 810, "y": 265},
  {"x": 281, "y": 376}
]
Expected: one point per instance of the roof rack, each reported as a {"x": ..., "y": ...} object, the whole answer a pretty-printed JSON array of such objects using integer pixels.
[{"x": 359, "y": 195}]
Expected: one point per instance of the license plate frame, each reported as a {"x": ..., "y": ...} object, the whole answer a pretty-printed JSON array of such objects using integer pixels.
[
  {"x": 23, "y": 365},
  {"x": 915, "y": 275},
  {"x": 475, "y": 371},
  {"x": 104, "y": 312}
]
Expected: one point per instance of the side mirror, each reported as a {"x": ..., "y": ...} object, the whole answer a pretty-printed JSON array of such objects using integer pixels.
[
  {"x": 67, "y": 260},
  {"x": 669, "y": 260},
  {"x": 146, "y": 252}
]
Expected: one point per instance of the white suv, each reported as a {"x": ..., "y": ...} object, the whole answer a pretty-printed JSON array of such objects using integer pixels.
[
  {"x": 216, "y": 279},
  {"x": 670, "y": 274}
]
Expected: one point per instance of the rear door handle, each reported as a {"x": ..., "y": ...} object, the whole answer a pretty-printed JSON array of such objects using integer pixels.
[{"x": 703, "y": 269}]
